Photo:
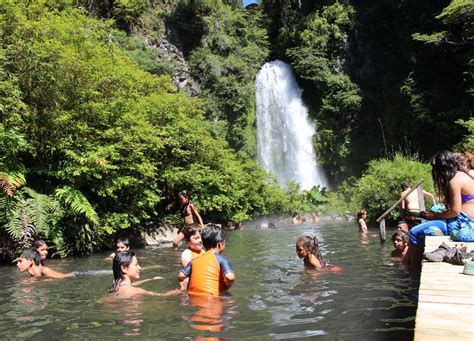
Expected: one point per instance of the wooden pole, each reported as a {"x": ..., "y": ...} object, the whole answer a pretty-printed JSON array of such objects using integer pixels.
[{"x": 382, "y": 231}]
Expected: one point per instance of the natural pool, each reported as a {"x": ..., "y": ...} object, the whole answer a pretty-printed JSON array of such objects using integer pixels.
[{"x": 274, "y": 297}]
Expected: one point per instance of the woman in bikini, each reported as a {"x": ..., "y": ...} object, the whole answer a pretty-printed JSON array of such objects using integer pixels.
[
  {"x": 189, "y": 212},
  {"x": 456, "y": 187}
]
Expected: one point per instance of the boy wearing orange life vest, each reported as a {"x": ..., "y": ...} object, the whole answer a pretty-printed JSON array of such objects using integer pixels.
[{"x": 211, "y": 272}]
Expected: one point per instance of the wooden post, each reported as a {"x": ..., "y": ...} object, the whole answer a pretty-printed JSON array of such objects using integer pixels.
[{"x": 382, "y": 231}]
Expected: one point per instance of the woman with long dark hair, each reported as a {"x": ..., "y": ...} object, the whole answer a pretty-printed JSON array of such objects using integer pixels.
[
  {"x": 456, "y": 189},
  {"x": 126, "y": 271}
]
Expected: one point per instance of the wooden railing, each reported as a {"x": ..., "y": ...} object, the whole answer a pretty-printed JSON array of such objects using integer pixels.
[{"x": 421, "y": 201}]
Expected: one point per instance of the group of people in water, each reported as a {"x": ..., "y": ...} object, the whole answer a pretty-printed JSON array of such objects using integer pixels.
[
  {"x": 205, "y": 270},
  {"x": 452, "y": 213}
]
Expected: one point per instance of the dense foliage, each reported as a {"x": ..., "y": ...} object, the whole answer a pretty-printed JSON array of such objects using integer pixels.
[
  {"x": 379, "y": 187},
  {"x": 102, "y": 145},
  {"x": 94, "y": 140}
]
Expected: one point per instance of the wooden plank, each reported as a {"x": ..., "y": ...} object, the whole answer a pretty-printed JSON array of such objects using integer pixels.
[{"x": 446, "y": 299}]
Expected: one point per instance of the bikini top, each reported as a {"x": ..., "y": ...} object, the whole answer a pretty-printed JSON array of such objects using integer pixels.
[{"x": 466, "y": 198}]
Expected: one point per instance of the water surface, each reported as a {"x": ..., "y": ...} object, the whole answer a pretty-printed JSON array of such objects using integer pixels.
[{"x": 274, "y": 297}]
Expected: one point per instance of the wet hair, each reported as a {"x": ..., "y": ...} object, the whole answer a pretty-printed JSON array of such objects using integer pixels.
[
  {"x": 402, "y": 234},
  {"x": 121, "y": 259},
  {"x": 38, "y": 243},
  {"x": 295, "y": 214},
  {"x": 190, "y": 231},
  {"x": 310, "y": 243},
  {"x": 123, "y": 241},
  {"x": 211, "y": 235},
  {"x": 404, "y": 185},
  {"x": 31, "y": 254},
  {"x": 444, "y": 166},
  {"x": 361, "y": 213}
]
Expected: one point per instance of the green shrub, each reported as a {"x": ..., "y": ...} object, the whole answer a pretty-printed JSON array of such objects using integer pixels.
[{"x": 379, "y": 186}]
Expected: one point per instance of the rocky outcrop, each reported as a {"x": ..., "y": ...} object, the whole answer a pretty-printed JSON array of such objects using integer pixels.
[{"x": 181, "y": 75}]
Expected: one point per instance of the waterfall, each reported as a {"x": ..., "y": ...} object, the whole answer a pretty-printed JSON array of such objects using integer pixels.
[{"x": 284, "y": 131}]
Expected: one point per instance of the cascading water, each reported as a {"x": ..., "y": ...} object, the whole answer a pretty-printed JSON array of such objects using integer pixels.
[{"x": 284, "y": 131}]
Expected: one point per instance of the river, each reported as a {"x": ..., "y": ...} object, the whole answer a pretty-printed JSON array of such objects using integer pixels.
[{"x": 274, "y": 297}]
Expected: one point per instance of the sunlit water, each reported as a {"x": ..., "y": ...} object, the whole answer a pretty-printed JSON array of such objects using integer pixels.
[{"x": 274, "y": 297}]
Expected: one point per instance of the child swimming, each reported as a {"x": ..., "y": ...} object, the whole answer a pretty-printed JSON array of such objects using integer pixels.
[
  {"x": 361, "y": 216},
  {"x": 307, "y": 247},
  {"x": 126, "y": 270},
  {"x": 400, "y": 243},
  {"x": 42, "y": 248},
  {"x": 30, "y": 262}
]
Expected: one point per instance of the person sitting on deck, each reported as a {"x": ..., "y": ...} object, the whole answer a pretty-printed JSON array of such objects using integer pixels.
[
  {"x": 410, "y": 206},
  {"x": 456, "y": 188},
  {"x": 210, "y": 273}
]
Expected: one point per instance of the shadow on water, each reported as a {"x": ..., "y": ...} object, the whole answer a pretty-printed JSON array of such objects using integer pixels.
[{"x": 274, "y": 296}]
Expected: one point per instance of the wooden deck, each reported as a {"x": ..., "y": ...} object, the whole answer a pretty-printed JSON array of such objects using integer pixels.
[{"x": 446, "y": 299}]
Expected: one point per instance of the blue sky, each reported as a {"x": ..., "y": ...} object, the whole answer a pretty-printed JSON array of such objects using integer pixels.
[{"x": 246, "y": 2}]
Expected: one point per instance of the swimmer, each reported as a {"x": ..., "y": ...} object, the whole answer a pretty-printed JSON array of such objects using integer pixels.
[
  {"x": 400, "y": 243},
  {"x": 361, "y": 217},
  {"x": 296, "y": 219},
  {"x": 42, "y": 248},
  {"x": 192, "y": 235},
  {"x": 189, "y": 212},
  {"x": 307, "y": 247},
  {"x": 30, "y": 262},
  {"x": 126, "y": 270},
  {"x": 122, "y": 245},
  {"x": 210, "y": 273}
]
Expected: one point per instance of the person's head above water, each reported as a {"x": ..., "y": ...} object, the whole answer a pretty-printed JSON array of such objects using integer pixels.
[
  {"x": 362, "y": 214},
  {"x": 125, "y": 268},
  {"x": 308, "y": 244},
  {"x": 444, "y": 166},
  {"x": 122, "y": 245},
  {"x": 42, "y": 248},
  {"x": 211, "y": 235},
  {"x": 27, "y": 259}
]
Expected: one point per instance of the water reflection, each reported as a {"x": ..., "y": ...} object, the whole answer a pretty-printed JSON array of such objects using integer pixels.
[
  {"x": 212, "y": 313},
  {"x": 274, "y": 296}
]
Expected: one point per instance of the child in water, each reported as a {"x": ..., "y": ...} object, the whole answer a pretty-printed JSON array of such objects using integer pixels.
[
  {"x": 307, "y": 247},
  {"x": 361, "y": 217},
  {"x": 42, "y": 248},
  {"x": 30, "y": 262},
  {"x": 400, "y": 243},
  {"x": 192, "y": 235},
  {"x": 210, "y": 273}
]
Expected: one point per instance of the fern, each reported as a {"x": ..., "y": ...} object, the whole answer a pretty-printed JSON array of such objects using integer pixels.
[
  {"x": 78, "y": 203},
  {"x": 10, "y": 182}
]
